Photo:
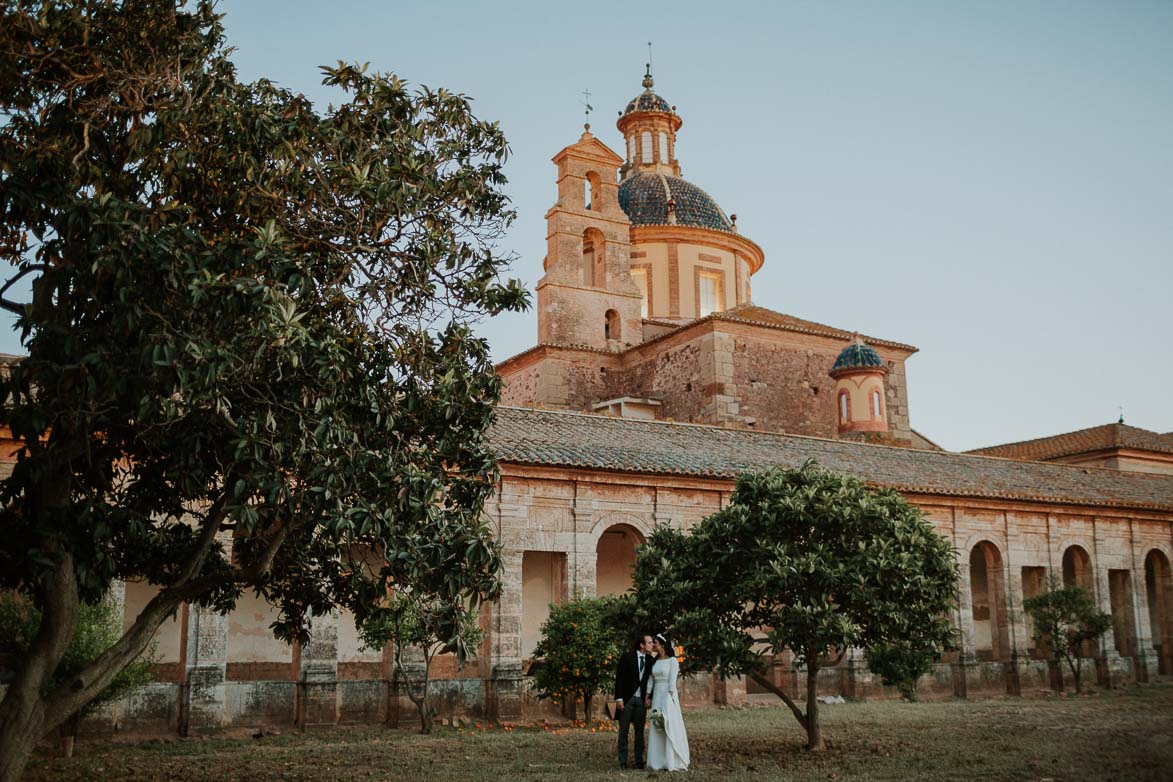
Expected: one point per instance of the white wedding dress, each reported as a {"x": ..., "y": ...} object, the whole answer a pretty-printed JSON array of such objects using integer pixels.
[{"x": 667, "y": 746}]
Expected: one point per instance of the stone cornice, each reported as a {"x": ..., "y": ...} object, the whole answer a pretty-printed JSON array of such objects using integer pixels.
[{"x": 724, "y": 240}]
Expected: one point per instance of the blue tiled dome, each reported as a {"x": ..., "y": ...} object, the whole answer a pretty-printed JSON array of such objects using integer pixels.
[
  {"x": 858, "y": 356},
  {"x": 644, "y": 198},
  {"x": 647, "y": 101}
]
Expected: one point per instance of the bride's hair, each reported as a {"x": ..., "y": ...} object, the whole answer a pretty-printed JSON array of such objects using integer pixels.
[{"x": 669, "y": 649}]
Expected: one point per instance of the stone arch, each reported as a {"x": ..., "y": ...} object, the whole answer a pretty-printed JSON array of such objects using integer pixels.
[
  {"x": 594, "y": 258},
  {"x": 1077, "y": 568},
  {"x": 1077, "y": 571},
  {"x": 1158, "y": 585},
  {"x": 991, "y": 637},
  {"x": 611, "y": 327},
  {"x": 593, "y": 192},
  {"x": 615, "y": 556}
]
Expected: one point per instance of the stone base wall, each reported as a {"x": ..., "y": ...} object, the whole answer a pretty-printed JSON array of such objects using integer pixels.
[{"x": 156, "y": 709}]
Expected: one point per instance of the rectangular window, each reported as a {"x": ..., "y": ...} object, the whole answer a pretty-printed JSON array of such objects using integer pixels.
[
  {"x": 663, "y": 147},
  {"x": 645, "y": 142},
  {"x": 543, "y": 583},
  {"x": 640, "y": 277},
  {"x": 711, "y": 297},
  {"x": 631, "y": 149},
  {"x": 1123, "y": 626},
  {"x": 1034, "y": 583}
]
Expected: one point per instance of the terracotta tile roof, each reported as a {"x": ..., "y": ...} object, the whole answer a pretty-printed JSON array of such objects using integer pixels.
[
  {"x": 745, "y": 313},
  {"x": 1097, "y": 438},
  {"x": 554, "y": 438},
  {"x": 760, "y": 316}
]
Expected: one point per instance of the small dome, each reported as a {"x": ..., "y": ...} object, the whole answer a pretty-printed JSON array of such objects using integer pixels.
[
  {"x": 857, "y": 355},
  {"x": 644, "y": 198},
  {"x": 647, "y": 101}
]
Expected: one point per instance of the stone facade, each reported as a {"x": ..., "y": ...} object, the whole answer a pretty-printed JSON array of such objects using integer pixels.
[{"x": 739, "y": 387}]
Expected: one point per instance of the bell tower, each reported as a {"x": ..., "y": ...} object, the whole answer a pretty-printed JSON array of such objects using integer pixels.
[{"x": 587, "y": 296}]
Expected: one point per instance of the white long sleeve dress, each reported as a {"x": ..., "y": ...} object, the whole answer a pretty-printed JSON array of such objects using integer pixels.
[{"x": 667, "y": 746}]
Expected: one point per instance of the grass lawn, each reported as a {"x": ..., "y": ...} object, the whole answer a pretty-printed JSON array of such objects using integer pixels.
[{"x": 1120, "y": 735}]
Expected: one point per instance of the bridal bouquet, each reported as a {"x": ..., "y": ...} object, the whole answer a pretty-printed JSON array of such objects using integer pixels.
[{"x": 657, "y": 718}]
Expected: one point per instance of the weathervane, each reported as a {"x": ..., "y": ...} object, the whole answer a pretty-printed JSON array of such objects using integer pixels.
[
  {"x": 586, "y": 102},
  {"x": 1121, "y": 414}
]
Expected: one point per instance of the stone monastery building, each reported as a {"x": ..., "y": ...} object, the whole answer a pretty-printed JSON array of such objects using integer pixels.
[{"x": 654, "y": 381}]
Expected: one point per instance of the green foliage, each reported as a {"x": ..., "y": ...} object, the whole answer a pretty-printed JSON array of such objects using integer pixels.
[
  {"x": 579, "y": 652},
  {"x": 99, "y": 626},
  {"x": 803, "y": 560},
  {"x": 429, "y": 625},
  {"x": 900, "y": 666},
  {"x": 1064, "y": 619},
  {"x": 249, "y": 315}
]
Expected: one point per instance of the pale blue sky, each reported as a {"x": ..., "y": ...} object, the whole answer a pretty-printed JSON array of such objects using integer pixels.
[{"x": 991, "y": 182}]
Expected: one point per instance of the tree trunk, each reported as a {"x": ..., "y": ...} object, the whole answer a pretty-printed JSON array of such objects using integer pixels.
[
  {"x": 587, "y": 709},
  {"x": 814, "y": 732},
  {"x": 22, "y": 722},
  {"x": 24, "y": 715},
  {"x": 1077, "y": 673}
]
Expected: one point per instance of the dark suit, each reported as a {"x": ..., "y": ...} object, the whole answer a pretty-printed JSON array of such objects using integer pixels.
[{"x": 632, "y": 689}]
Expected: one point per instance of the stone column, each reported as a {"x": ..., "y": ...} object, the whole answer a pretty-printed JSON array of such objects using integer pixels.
[
  {"x": 317, "y": 682},
  {"x": 1015, "y": 624},
  {"x": 505, "y": 688},
  {"x": 1110, "y": 667},
  {"x": 202, "y": 693},
  {"x": 1148, "y": 665},
  {"x": 965, "y": 654},
  {"x": 583, "y": 554}
]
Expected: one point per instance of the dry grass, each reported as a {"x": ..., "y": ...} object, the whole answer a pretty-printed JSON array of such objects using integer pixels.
[{"x": 1126, "y": 734}]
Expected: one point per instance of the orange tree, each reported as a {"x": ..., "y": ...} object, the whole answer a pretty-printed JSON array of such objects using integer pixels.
[
  {"x": 803, "y": 560},
  {"x": 249, "y": 321},
  {"x": 578, "y": 651}
]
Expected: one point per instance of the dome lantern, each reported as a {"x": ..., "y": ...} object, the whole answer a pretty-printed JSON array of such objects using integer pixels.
[{"x": 860, "y": 404}]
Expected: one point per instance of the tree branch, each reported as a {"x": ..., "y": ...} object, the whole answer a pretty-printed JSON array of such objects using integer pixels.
[
  {"x": 71, "y": 696},
  {"x": 33, "y": 267},
  {"x": 13, "y": 307},
  {"x": 769, "y": 685},
  {"x": 212, "y": 522}
]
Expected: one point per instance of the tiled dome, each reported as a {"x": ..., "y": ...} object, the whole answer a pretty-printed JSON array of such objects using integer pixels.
[
  {"x": 858, "y": 356},
  {"x": 647, "y": 101},
  {"x": 644, "y": 198}
]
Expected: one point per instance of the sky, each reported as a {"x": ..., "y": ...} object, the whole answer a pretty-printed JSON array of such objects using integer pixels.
[{"x": 991, "y": 182}]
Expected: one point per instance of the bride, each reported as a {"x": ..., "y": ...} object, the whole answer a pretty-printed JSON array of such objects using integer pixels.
[{"x": 667, "y": 741}]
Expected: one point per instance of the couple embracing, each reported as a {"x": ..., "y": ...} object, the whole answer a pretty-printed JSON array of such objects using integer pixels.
[{"x": 645, "y": 687}]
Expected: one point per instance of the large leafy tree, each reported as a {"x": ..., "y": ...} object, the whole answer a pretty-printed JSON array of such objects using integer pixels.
[
  {"x": 249, "y": 356},
  {"x": 805, "y": 561},
  {"x": 1065, "y": 618}
]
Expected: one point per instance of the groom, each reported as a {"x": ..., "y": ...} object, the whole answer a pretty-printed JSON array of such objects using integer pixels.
[{"x": 631, "y": 692}]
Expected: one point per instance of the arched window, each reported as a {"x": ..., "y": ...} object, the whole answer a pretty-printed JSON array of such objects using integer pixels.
[
  {"x": 611, "y": 326},
  {"x": 645, "y": 142},
  {"x": 1159, "y": 596},
  {"x": 988, "y": 594},
  {"x": 640, "y": 278},
  {"x": 844, "y": 407},
  {"x": 593, "y": 191},
  {"x": 877, "y": 410},
  {"x": 664, "y": 157}
]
